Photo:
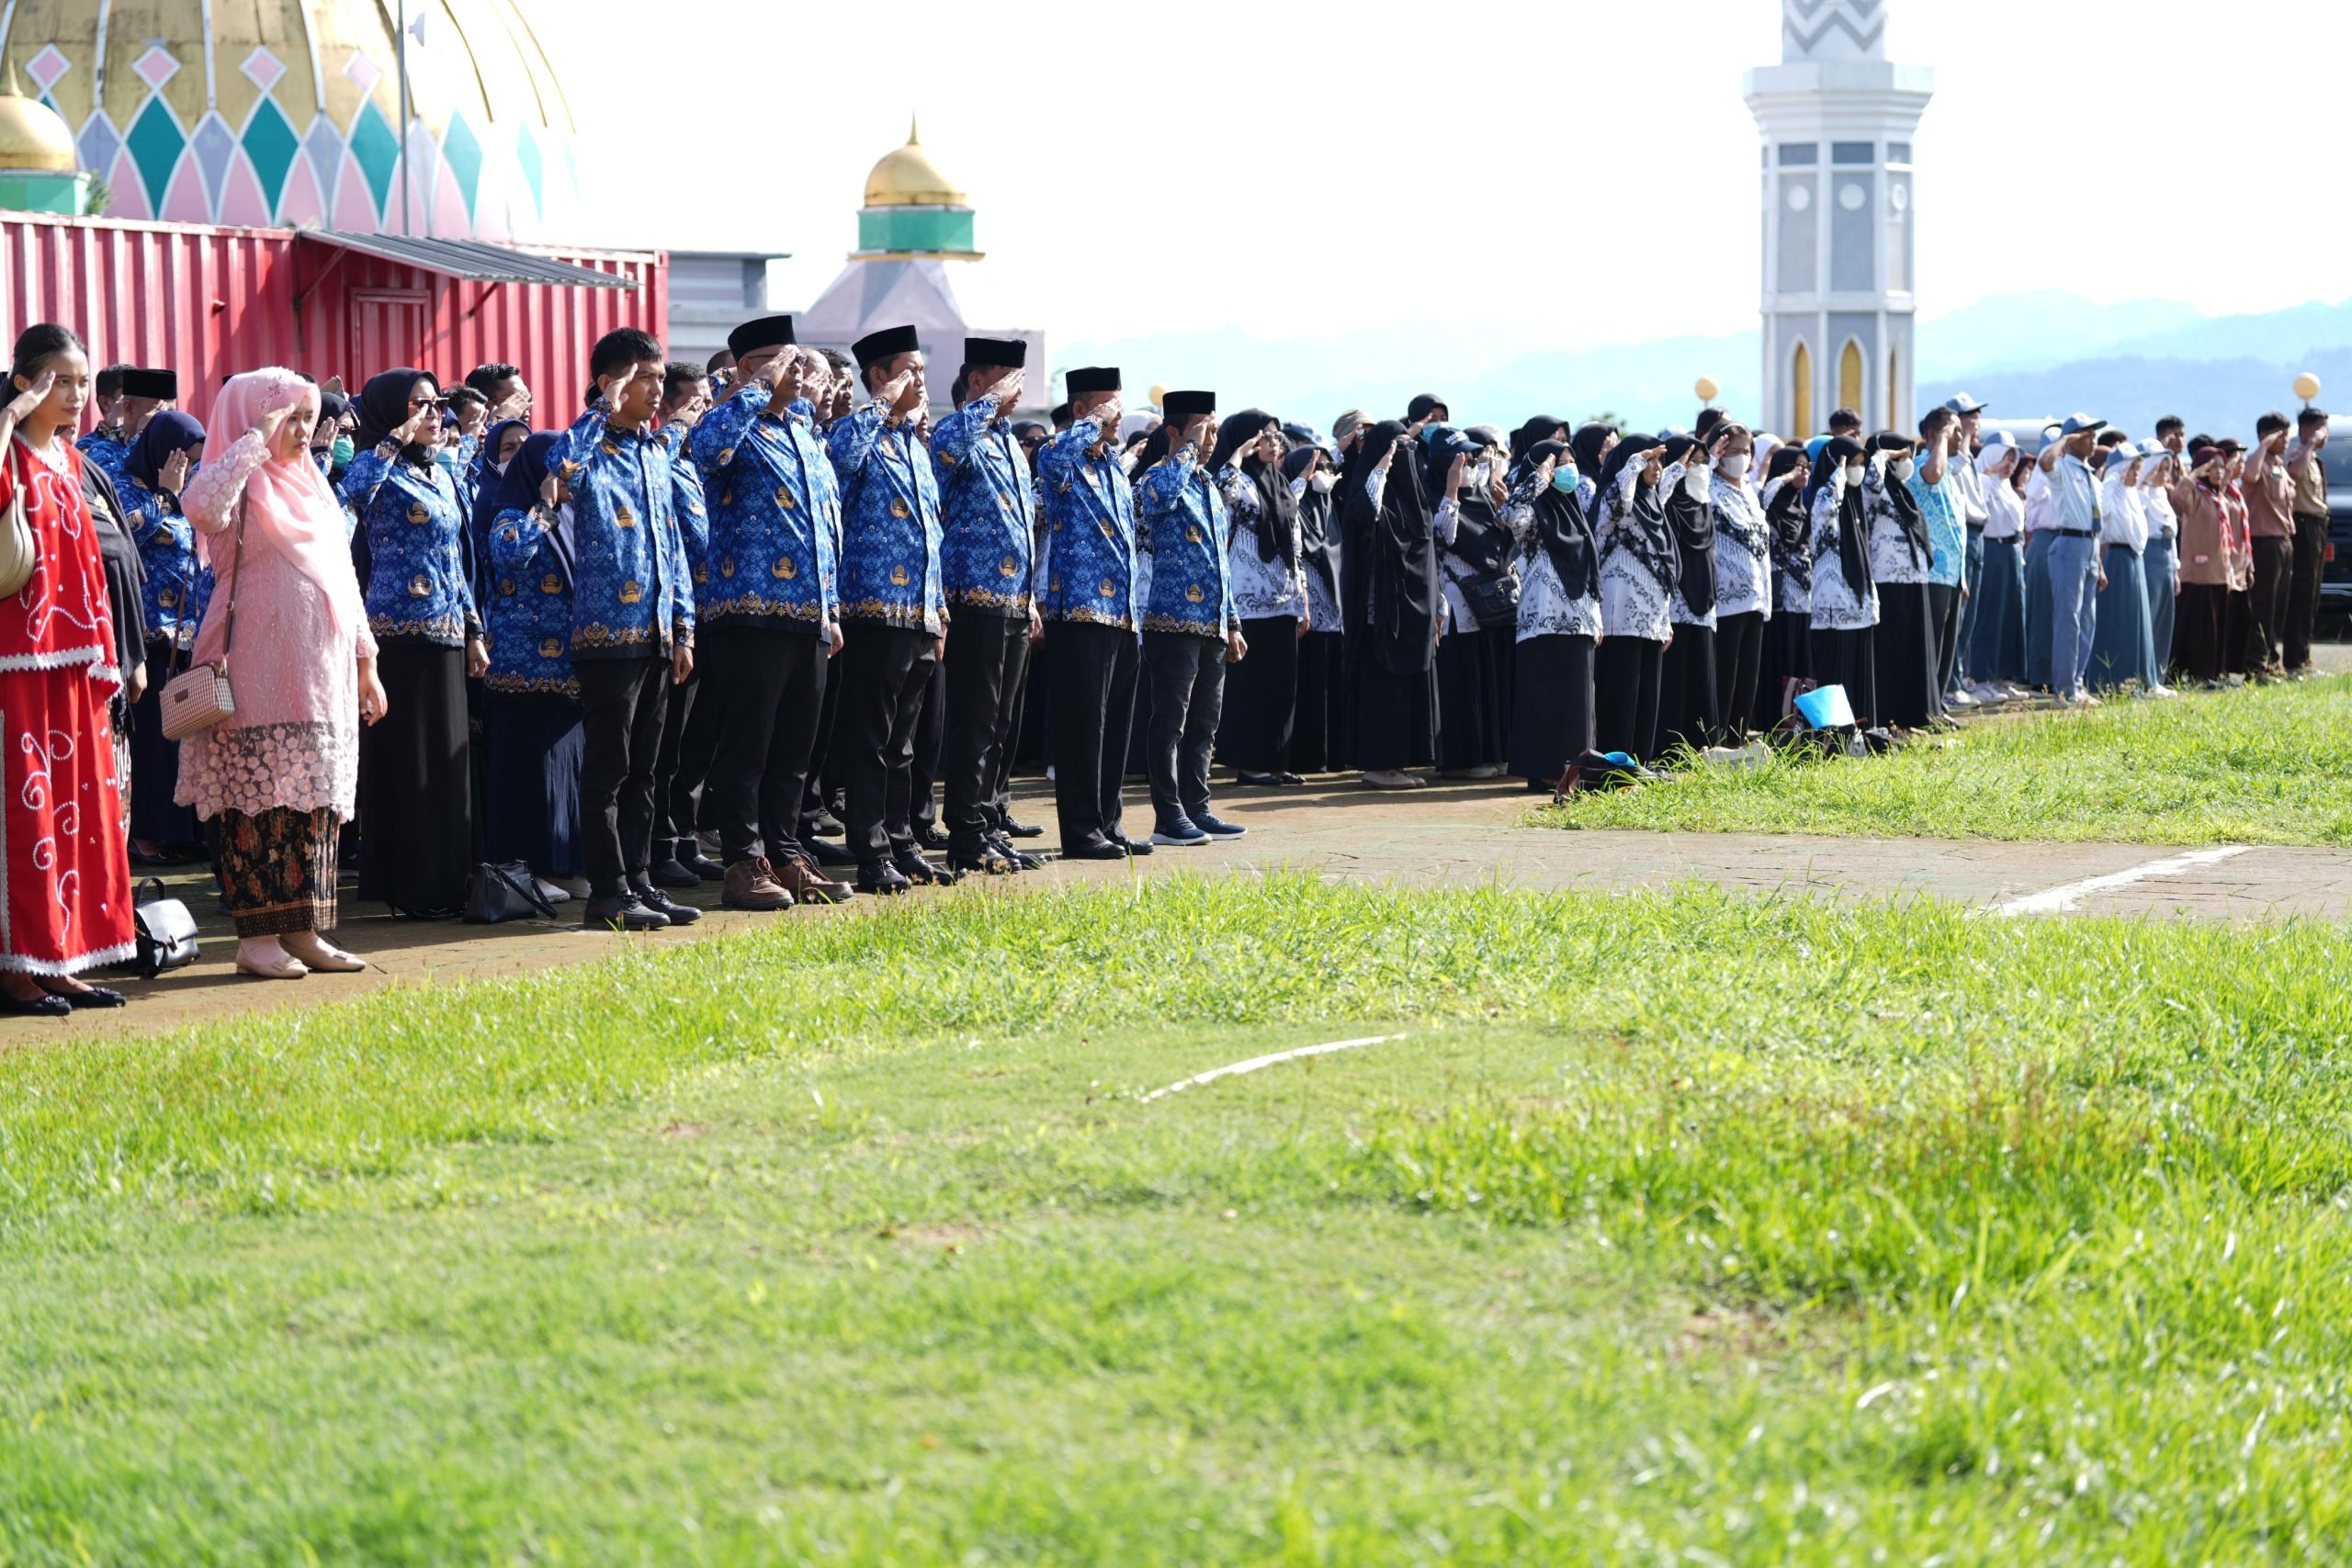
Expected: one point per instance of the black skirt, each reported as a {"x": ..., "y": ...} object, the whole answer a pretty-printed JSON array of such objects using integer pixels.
[
  {"x": 1847, "y": 659},
  {"x": 532, "y": 749},
  {"x": 1261, "y": 697},
  {"x": 1788, "y": 656},
  {"x": 155, "y": 817},
  {"x": 1394, "y": 715},
  {"x": 1551, "y": 705},
  {"x": 1688, "y": 714},
  {"x": 416, "y": 825},
  {"x": 1314, "y": 734},
  {"x": 1909, "y": 693},
  {"x": 1473, "y": 718}
]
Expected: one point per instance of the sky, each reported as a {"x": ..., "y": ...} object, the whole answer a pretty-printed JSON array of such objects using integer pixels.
[{"x": 1571, "y": 170}]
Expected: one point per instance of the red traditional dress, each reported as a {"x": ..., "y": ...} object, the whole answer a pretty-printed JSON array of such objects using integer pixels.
[{"x": 65, "y": 895}]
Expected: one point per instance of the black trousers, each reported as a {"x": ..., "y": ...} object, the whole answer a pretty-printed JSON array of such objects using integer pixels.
[
  {"x": 669, "y": 823},
  {"x": 1093, "y": 670},
  {"x": 1739, "y": 655},
  {"x": 931, "y": 745},
  {"x": 886, "y": 677},
  {"x": 2273, "y": 576},
  {"x": 2302, "y": 590},
  {"x": 1187, "y": 676},
  {"x": 1313, "y": 735},
  {"x": 416, "y": 823},
  {"x": 986, "y": 659},
  {"x": 621, "y": 705},
  {"x": 1690, "y": 710},
  {"x": 688, "y": 808},
  {"x": 1943, "y": 620},
  {"x": 822, "y": 786},
  {"x": 1625, "y": 683},
  {"x": 1260, "y": 701},
  {"x": 769, "y": 682},
  {"x": 2206, "y": 617},
  {"x": 1018, "y": 684}
]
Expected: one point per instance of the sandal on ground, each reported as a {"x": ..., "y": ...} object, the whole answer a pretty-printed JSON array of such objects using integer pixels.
[
  {"x": 313, "y": 951},
  {"x": 258, "y": 962}
]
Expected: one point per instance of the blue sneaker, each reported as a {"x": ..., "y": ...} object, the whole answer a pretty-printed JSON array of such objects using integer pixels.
[
  {"x": 1179, "y": 832},
  {"x": 1217, "y": 827}
]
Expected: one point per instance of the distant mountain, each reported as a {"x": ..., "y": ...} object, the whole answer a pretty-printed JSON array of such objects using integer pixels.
[
  {"x": 2133, "y": 391},
  {"x": 2030, "y": 332}
]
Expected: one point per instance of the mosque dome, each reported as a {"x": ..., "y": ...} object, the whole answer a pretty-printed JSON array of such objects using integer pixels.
[
  {"x": 906, "y": 177},
  {"x": 32, "y": 135},
  {"x": 287, "y": 114}
]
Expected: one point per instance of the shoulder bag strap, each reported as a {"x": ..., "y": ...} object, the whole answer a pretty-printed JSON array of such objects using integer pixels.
[{"x": 236, "y": 566}]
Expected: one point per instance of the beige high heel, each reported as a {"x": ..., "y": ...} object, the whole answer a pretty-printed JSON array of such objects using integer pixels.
[{"x": 312, "y": 949}]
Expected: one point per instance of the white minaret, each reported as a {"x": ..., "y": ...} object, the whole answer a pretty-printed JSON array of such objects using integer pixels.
[{"x": 1837, "y": 120}]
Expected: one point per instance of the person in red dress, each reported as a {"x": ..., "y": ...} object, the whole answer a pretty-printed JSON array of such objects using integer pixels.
[{"x": 65, "y": 893}]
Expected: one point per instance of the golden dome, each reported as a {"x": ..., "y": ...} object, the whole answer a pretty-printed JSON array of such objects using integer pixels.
[
  {"x": 907, "y": 177},
  {"x": 33, "y": 135}
]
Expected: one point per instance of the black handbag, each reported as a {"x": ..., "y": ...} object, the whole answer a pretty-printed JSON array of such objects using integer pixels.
[
  {"x": 499, "y": 893},
  {"x": 1493, "y": 600},
  {"x": 166, "y": 932}
]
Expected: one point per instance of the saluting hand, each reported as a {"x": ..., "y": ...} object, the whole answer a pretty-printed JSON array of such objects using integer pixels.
[
  {"x": 1007, "y": 390},
  {"x": 20, "y": 408},
  {"x": 174, "y": 472}
]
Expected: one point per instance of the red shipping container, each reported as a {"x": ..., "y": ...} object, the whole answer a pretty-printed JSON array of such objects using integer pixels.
[{"x": 209, "y": 302}]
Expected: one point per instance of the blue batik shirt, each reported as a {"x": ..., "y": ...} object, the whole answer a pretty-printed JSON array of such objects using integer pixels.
[
  {"x": 632, "y": 593},
  {"x": 178, "y": 587},
  {"x": 1087, "y": 562},
  {"x": 413, "y": 535},
  {"x": 107, "y": 447},
  {"x": 889, "y": 522},
  {"x": 1947, "y": 529},
  {"x": 528, "y": 608},
  {"x": 686, "y": 503},
  {"x": 1183, "y": 529},
  {"x": 985, "y": 496},
  {"x": 775, "y": 540}
]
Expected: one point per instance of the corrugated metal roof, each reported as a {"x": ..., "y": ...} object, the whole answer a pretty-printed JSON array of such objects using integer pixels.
[{"x": 473, "y": 260}]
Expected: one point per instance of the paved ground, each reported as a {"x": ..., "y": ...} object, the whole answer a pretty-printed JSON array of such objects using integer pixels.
[{"x": 1457, "y": 833}]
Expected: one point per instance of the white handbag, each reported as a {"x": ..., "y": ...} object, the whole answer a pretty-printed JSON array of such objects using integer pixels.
[
  {"x": 199, "y": 697},
  {"x": 18, "y": 555}
]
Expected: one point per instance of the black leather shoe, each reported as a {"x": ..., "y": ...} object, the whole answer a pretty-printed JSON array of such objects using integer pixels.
[
  {"x": 1021, "y": 829},
  {"x": 621, "y": 914},
  {"x": 1102, "y": 848},
  {"x": 669, "y": 908},
  {"x": 95, "y": 996},
  {"x": 1022, "y": 860},
  {"x": 880, "y": 878},
  {"x": 828, "y": 851},
  {"x": 673, "y": 873},
  {"x": 705, "y": 868},
  {"x": 39, "y": 1006},
  {"x": 915, "y": 868},
  {"x": 1133, "y": 846},
  {"x": 934, "y": 837},
  {"x": 989, "y": 860}
]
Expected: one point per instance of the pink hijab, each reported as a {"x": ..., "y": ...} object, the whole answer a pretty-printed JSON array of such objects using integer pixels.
[{"x": 291, "y": 509}]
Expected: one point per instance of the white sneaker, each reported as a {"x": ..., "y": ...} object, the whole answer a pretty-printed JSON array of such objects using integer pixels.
[
  {"x": 1961, "y": 699},
  {"x": 1988, "y": 694},
  {"x": 2160, "y": 690},
  {"x": 1391, "y": 778}
]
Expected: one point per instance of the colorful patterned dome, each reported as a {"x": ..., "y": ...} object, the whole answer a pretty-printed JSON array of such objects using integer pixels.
[{"x": 289, "y": 114}]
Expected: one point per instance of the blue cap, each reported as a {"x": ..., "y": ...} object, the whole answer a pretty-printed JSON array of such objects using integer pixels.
[
  {"x": 1961, "y": 403},
  {"x": 2080, "y": 425}
]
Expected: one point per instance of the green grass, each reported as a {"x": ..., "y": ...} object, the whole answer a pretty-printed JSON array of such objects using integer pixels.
[
  {"x": 1677, "y": 1227},
  {"x": 2261, "y": 766}
]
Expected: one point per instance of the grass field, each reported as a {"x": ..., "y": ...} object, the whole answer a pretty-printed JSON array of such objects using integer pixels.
[
  {"x": 1674, "y": 1228},
  {"x": 2262, "y": 766}
]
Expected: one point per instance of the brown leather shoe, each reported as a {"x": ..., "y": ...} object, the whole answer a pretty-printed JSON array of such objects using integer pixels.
[
  {"x": 753, "y": 885},
  {"x": 808, "y": 883}
]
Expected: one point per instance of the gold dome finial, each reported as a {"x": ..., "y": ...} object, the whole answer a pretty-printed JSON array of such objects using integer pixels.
[
  {"x": 32, "y": 135},
  {"x": 906, "y": 177}
]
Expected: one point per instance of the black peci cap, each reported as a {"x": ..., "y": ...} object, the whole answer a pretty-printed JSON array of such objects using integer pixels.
[
  {"x": 1187, "y": 405},
  {"x": 874, "y": 348},
  {"x": 767, "y": 331},
  {"x": 1092, "y": 378},
  {"x": 163, "y": 386},
  {"x": 1011, "y": 353}
]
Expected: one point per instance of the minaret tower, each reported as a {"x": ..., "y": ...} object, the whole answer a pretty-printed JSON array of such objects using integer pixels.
[{"x": 1836, "y": 120}]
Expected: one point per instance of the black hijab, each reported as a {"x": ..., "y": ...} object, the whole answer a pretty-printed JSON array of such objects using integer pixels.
[
  {"x": 1278, "y": 513},
  {"x": 1562, "y": 530},
  {"x": 1786, "y": 519},
  {"x": 1693, "y": 522},
  {"x": 1401, "y": 598},
  {"x": 1318, "y": 544},
  {"x": 486, "y": 474},
  {"x": 1586, "y": 444},
  {"x": 1543, "y": 427},
  {"x": 383, "y": 408},
  {"x": 1645, "y": 533},
  {"x": 1480, "y": 540},
  {"x": 1907, "y": 516},
  {"x": 1853, "y": 520}
]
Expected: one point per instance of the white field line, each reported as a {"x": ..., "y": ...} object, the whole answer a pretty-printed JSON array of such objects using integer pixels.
[
  {"x": 2070, "y": 896},
  {"x": 1255, "y": 1063}
]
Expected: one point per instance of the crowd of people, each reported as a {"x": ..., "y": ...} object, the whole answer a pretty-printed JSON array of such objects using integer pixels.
[{"x": 775, "y": 621}]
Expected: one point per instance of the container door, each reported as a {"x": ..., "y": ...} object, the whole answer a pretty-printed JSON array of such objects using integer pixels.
[{"x": 388, "y": 328}]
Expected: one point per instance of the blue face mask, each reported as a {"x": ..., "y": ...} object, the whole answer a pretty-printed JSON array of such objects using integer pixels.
[{"x": 1564, "y": 478}]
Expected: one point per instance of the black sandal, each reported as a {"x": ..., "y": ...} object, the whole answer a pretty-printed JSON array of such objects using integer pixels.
[{"x": 92, "y": 996}]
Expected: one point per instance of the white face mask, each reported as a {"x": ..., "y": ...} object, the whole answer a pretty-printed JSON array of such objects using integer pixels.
[
  {"x": 1735, "y": 466},
  {"x": 1695, "y": 483},
  {"x": 1902, "y": 466},
  {"x": 1321, "y": 484}
]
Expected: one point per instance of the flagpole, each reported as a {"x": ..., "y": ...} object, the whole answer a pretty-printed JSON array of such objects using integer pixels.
[{"x": 406, "y": 172}]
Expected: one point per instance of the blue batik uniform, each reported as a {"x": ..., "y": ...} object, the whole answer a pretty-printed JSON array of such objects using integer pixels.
[
  {"x": 529, "y": 608},
  {"x": 107, "y": 447},
  {"x": 1184, "y": 528},
  {"x": 632, "y": 591},
  {"x": 1087, "y": 566},
  {"x": 687, "y": 505},
  {"x": 985, "y": 496},
  {"x": 889, "y": 522},
  {"x": 415, "y": 536},
  {"x": 768, "y": 486},
  {"x": 178, "y": 587}
]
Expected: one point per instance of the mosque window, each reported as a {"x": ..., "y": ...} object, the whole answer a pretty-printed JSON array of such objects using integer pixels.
[
  {"x": 1853, "y": 153},
  {"x": 1800, "y": 154}
]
